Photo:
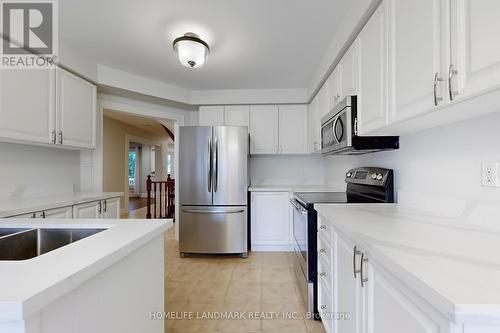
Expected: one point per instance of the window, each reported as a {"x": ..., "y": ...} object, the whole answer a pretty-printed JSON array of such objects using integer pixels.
[
  {"x": 132, "y": 158},
  {"x": 169, "y": 164}
]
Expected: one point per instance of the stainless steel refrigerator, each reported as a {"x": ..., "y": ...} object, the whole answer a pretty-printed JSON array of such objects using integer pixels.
[{"x": 213, "y": 185}]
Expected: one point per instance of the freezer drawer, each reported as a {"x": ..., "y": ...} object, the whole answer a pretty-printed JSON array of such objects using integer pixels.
[{"x": 213, "y": 229}]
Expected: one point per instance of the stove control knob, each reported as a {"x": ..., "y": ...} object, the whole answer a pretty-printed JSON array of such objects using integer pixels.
[
  {"x": 379, "y": 176},
  {"x": 348, "y": 175},
  {"x": 374, "y": 176}
]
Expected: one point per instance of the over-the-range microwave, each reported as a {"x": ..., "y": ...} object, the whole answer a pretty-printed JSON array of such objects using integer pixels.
[{"x": 339, "y": 133}]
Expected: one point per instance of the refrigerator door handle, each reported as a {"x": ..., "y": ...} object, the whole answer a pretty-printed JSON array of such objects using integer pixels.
[
  {"x": 206, "y": 211},
  {"x": 216, "y": 165},
  {"x": 209, "y": 164}
]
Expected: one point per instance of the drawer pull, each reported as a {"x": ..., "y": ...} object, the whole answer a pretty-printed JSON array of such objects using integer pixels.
[
  {"x": 324, "y": 307},
  {"x": 322, "y": 250},
  {"x": 323, "y": 227},
  {"x": 322, "y": 274}
]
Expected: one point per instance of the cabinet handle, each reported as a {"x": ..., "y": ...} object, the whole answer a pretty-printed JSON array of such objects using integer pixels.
[
  {"x": 356, "y": 253},
  {"x": 99, "y": 210},
  {"x": 362, "y": 278},
  {"x": 322, "y": 250},
  {"x": 105, "y": 206},
  {"x": 60, "y": 137},
  {"x": 452, "y": 92},
  {"x": 324, "y": 307},
  {"x": 323, "y": 227},
  {"x": 33, "y": 216},
  {"x": 54, "y": 137},
  {"x": 436, "y": 80},
  {"x": 43, "y": 215},
  {"x": 322, "y": 274}
]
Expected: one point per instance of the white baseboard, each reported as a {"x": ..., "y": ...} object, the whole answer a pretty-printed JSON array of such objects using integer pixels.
[{"x": 272, "y": 248}]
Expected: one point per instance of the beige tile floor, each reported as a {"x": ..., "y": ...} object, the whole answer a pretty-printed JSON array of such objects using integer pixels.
[{"x": 262, "y": 284}]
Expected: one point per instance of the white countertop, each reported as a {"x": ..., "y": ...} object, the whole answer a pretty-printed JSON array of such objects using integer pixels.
[
  {"x": 29, "y": 285},
  {"x": 456, "y": 269},
  {"x": 26, "y": 206},
  {"x": 293, "y": 188}
]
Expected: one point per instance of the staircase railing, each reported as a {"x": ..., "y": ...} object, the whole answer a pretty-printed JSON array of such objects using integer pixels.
[{"x": 161, "y": 198}]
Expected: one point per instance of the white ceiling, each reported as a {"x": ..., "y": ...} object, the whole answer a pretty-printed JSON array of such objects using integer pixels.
[
  {"x": 255, "y": 44},
  {"x": 146, "y": 124}
]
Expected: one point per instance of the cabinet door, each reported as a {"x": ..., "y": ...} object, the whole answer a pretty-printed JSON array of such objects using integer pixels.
[
  {"x": 76, "y": 111},
  {"x": 237, "y": 115},
  {"x": 391, "y": 311},
  {"x": 475, "y": 47},
  {"x": 347, "y": 290},
  {"x": 264, "y": 129},
  {"x": 419, "y": 49},
  {"x": 111, "y": 208},
  {"x": 211, "y": 115},
  {"x": 293, "y": 129},
  {"x": 27, "y": 104},
  {"x": 91, "y": 210},
  {"x": 314, "y": 126},
  {"x": 333, "y": 89},
  {"x": 59, "y": 213},
  {"x": 373, "y": 53},
  {"x": 270, "y": 219},
  {"x": 349, "y": 72}
]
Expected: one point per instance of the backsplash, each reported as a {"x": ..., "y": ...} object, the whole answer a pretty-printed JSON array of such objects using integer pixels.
[
  {"x": 30, "y": 171},
  {"x": 443, "y": 161}
]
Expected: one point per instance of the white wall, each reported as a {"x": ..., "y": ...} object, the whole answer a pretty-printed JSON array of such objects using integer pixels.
[
  {"x": 287, "y": 170},
  {"x": 25, "y": 166},
  {"x": 443, "y": 161}
]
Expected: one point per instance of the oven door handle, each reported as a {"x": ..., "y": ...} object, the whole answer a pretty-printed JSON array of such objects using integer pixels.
[{"x": 298, "y": 207}]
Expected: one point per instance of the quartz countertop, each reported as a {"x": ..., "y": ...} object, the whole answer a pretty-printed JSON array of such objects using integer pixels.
[
  {"x": 25, "y": 206},
  {"x": 454, "y": 268},
  {"x": 29, "y": 285},
  {"x": 293, "y": 188}
]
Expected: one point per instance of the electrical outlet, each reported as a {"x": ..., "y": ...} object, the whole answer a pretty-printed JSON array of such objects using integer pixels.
[{"x": 489, "y": 174}]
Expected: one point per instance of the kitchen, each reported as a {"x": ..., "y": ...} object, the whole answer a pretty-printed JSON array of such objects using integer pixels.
[{"x": 373, "y": 119}]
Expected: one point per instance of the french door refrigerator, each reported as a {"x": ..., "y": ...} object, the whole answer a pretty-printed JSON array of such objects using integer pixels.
[{"x": 213, "y": 185}]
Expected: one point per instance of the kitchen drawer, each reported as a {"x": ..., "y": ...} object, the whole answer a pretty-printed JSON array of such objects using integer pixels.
[
  {"x": 325, "y": 306},
  {"x": 325, "y": 273},
  {"x": 324, "y": 250},
  {"x": 325, "y": 229}
]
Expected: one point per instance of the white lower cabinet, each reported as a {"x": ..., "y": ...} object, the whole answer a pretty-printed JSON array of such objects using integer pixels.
[
  {"x": 111, "y": 208},
  {"x": 270, "y": 221},
  {"x": 58, "y": 213},
  {"x": 101, "y": 209},
  {"x": 364, "y": 297}
]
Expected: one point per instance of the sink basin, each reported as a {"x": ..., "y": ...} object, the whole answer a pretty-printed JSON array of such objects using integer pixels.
[
  {"x": 10, "y": 231},
  {"x": 30, "y": 243}
]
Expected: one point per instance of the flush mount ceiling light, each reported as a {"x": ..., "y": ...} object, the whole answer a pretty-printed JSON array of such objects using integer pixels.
[{"x": 191, "y": 50}]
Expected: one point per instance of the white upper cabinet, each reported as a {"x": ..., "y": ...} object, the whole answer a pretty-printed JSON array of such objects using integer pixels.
[
  {"x": 264, "y": 136},
  {"x": 330, "y": 91},
  {"x": 373, "y": 62},
  {"x": 237, "y": 115},
  {"x": 211, "y": 115},
  {"x": 293, "y": 129},
  {"x": 27, "y": 105},
  {"x": 314, "y": 126},
  {"x": 419, "y": 54},
  {"x": 475, "y": 48},
  {"x": 77, "y": 105},
  {"x": 349, "y": 72}
]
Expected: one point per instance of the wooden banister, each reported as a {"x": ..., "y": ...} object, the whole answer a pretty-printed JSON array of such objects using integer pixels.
[{"x": 160, "y": 198}]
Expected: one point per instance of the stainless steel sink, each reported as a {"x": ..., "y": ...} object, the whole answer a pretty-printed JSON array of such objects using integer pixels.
[{"x": 22, "y": 244}]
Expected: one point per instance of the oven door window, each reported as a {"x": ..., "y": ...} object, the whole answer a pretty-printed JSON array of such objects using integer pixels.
[{"x": 300, "y": 230}]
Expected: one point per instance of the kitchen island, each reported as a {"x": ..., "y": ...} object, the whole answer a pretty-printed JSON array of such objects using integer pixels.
[{"x": 107, "y": 282}]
